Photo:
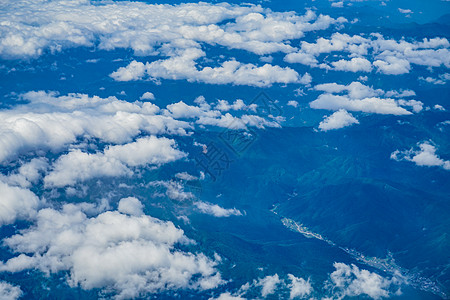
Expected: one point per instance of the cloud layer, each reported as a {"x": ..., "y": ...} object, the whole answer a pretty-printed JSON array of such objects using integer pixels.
[
  {"x": 56, "y": 25},
  {"x": 130, "y": 255}
]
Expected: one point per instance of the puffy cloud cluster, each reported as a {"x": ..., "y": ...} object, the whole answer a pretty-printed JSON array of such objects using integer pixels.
[
  {"x": 203, "y": 114},
  {"x": 52, "y": 122},
  {"x": 388, "y": 56},
  {"x": 27, "y": 174},
  {"x": 227, "y": 296},
  {"x": 116, "y": 160},
  {"x": 350, "y": 281},
  {"x": 359, "y": 97},
  {"x": 183, "y": 66},
  {"x": 356, "y": 64},
  {"x": 16, "y": 203},
  {"x": 127, "y": 254},
  {"x": 299, "y": 287},
  {"x": 441, "y": 80},
  {"x": 177, "y": 31},
  {"x": 345, "y": 281},
  {"x": 268, "y": 284},
  {"x": 272, "y": 285},
  {"x": 339, "y": 119},
  {"x": 424, "y": 156},
  {"x": 9, "y": 291},
  {"x": 31, "y": 27}
]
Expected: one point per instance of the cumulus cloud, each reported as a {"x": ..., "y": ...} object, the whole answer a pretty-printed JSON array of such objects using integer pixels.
[
  {"x": 389, "y": 56},
  {"x": 368, "y": 105},
  {"x": 116, "y": 160},
  {"x": 131, "y": 206},
  {"x": 94, "y": 250},
  {"x": 405, "y": 11},
  {"x": 147, "y": 96},
  {"x": 16, "y": 203},
  {"x": 271, "y": 286},
  {"x": 215, "y": 210},
  {"x": 223, "y": 105},
  {"x": 355, "y": 90},
  {"x": 441, "y": 80},
  {"x": 337, "y": 4},
  {"x": 293, "y": 103},
  {"x": 339, "y": 119},
  {"x": 227, "y": 296},
  {"x": 149, "y": 29},
  {"x": 268, "y": 284},
  {"x": 205, "y": 115},
  {"x": 28, "y": 173},
  {"x": 356, "y": 64},
  {"x": 184, "y": 67},
  {"x": 424, "y": 156},
  {"x": 52, "y": 122},
  {"x": 392, "y": 65},
  {"x": 350, "y": 281},
  {"x": 9, "y": 291},
  {"x": 359, "y": 97},
  {"x": 299, "y": 287}
]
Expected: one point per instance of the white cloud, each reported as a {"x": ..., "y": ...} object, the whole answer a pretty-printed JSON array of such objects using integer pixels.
[
  {"x": 9, "y": 291},
  {"x": 52, "y": 122},
  {"x": 268, "y": 284},
  {"x": 363, "y": 78},
  {"x": 183, "y": 66},
  {"x": 352, "y": 282},
  {"x": 416, "y": 106},
  {"x": 28, "y": 173},
  {"x": 356, "y": 64},
  {"x": 215, "y": 210},
  {"x": 299, "y": 287},
  {"x": 368, "y": 105},
  {"x": 405, "y": 11},
  {"x": 186, "y": 176},
  {"x": 293, "y": 103},
  {"x": 338, "y": 42},
  {"x": 147, "y": 96},
  {"x": 79, "y": 166},
  {"x": 223, "y": 105},
  {"x": 174, "y": 190},
  {"x": 339, "y": 119},
  {"x": 337, "y": 4},
  {"x": 94, "y": 250},
  {"x": 227, "y": 296},
  {"x": 363, "y": 98},
  {"x": 439, "y": 107},
  {"x": 424, "y": 156},
  {"x": 204, "y": 115},
  {"x": 16, "y": 203},
  {"x": 131, "y": 206},
  {"x": 149, "y": 29},
  {"x": 355, "y": 90},
  {"x": 400, "y": 94},
  {"x": 301, "y": 58},
  {"x": 441, "y": 80},
  {"x": 392, "y": 65},
  {"x": 306, "y": 79},
  {"x": 389, "y": 56}
]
